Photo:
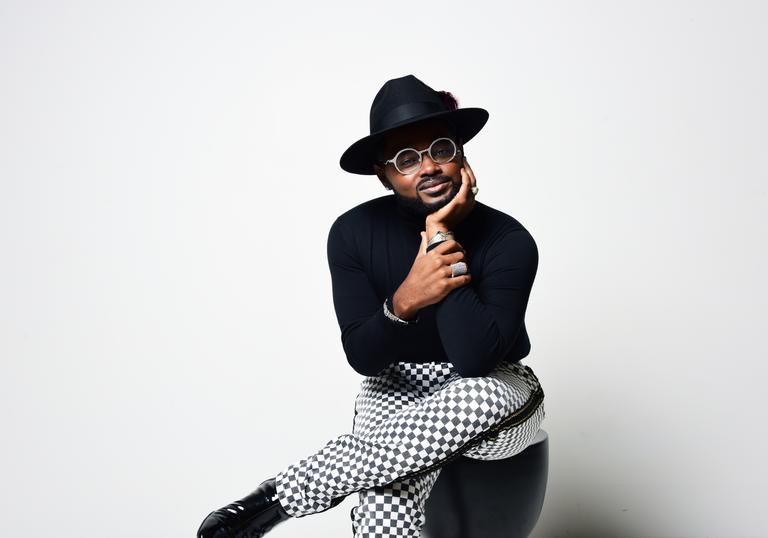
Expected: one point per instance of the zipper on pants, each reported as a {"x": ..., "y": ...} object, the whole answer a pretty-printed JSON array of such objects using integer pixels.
[{"x": 518, "y": 417}]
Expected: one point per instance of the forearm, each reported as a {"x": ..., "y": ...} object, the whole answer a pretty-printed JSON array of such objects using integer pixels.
[
  {"x": 371, "y": 344},
  {"x": 479, "y": 323},
  {"x": 404, "y": 307},
  {"x": 473, "y": 339}
]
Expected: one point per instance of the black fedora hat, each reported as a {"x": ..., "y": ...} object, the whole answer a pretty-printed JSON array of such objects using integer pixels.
[{"x": 402, "y": 101}]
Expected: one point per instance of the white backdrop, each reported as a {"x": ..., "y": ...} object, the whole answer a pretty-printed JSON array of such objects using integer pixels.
[{"x": 168, "y": 175}]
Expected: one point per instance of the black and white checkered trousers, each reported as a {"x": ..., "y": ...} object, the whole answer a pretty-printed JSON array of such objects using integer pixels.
[{"x": 409, "y": 421}]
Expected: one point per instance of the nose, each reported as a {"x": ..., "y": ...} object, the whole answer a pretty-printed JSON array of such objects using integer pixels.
[{"x": 428, "y": 165}]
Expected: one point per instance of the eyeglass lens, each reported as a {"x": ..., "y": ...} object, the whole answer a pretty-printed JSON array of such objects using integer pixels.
[{"x": 441, "y": 151}]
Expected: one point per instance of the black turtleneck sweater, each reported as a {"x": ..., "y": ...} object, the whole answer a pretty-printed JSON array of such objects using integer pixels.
[{"x": 371, "y": 249}]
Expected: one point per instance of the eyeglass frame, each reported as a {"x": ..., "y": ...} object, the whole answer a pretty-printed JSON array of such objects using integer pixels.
[{"x": 393, "y": 160}]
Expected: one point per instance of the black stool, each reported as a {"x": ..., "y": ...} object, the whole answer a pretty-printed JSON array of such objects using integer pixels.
[{"x": 489, "y": 498}]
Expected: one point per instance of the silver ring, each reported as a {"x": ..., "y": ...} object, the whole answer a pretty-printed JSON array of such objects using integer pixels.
[
  {"x": 475, "y": 189},
  {"x": 458, "y": 268}
]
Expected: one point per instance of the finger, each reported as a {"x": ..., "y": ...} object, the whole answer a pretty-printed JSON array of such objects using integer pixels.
[
  {"x": 465, "y": 183},
  {"x": 469, "y": 196},
  {"x": 423, "y": 245},
  {"x": 457, "y": 256},
  {"x": 462, "y": 194},
  {"x": 470, "y": 172},
  {"x": 449, "y": 258},
  {"x": 458, "y": 280},
  {"x": 447, "y": 246}
]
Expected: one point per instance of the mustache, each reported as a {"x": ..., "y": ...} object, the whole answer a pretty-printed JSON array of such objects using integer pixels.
[{"x": 437, "y": 178}]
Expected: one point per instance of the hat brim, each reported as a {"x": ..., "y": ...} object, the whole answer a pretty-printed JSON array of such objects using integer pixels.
[{"x": 360, "y": 156}]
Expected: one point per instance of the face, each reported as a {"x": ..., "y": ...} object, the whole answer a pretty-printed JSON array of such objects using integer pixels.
[{"x": 410, "y": 188}]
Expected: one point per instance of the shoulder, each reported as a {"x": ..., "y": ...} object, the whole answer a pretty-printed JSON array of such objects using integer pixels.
[
  {"x": 357, "y": 221},
  {"x": 500, "y": 228},
  {"x": 364, "y": 213},
  {"x": 367, "y": 210},
  {"x": 491, "y": 217}
]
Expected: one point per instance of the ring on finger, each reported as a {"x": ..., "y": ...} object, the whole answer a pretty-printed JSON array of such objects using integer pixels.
[{"x": 458, "y": 268}]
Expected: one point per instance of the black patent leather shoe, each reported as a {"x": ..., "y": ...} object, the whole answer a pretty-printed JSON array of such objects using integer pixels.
[{"x": 253, "y": 516}]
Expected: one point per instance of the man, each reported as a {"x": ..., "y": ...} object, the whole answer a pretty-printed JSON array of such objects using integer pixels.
[{"x": 436, "y": 327}]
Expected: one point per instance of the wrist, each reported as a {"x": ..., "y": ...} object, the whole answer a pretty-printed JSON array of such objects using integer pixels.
[
  {"x": 436, "y": 238},
  {"x": 401, "y": 307},
  {"x": 433, "y": 227}
]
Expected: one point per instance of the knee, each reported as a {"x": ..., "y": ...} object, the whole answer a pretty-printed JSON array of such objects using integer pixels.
[{"x": 474, "y": 391}]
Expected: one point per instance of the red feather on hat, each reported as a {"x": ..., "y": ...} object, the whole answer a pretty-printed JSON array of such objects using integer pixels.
[{"x": 449, "y": 99}]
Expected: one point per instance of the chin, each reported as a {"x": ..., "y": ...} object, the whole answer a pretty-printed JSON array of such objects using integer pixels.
[{"x": 443, "y": 200}]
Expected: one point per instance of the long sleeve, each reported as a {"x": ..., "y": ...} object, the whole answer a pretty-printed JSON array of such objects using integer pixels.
[
  {"x": 370, "y": 340},
  {"x": 479, "y": 322}
]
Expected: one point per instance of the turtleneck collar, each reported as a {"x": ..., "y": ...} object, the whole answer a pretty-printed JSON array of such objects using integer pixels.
[{"x": 407, "y": 215}]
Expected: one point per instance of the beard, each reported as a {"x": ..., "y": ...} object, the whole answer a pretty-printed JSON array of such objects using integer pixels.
[{"x": 421, "y": 208}]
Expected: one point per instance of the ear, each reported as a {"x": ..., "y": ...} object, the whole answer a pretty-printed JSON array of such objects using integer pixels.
[{"x": 382, "y": 176}]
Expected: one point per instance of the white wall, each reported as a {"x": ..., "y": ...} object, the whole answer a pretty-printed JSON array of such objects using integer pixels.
[{"x": 168, "y": 175}]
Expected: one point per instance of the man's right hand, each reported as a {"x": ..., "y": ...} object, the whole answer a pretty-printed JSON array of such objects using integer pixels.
[{"x": 429, "y": 279}]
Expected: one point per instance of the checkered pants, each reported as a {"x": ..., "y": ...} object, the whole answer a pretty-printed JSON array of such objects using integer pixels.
[{"x": 409, "y": 421}]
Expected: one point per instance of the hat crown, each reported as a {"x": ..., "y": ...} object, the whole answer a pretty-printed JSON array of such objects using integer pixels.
[{"x": 402, "y": 100}]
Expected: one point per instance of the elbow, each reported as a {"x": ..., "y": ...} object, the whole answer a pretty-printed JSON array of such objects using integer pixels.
[
  {"x": 363, "y": 369},
  {"x": 474, "y": 364},
  {"x": 363, "y": 363},
  {"x": 479, "y": 361}
]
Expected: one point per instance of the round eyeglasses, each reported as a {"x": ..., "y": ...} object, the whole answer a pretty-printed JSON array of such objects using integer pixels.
[{"x": 408, "y": 160}]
